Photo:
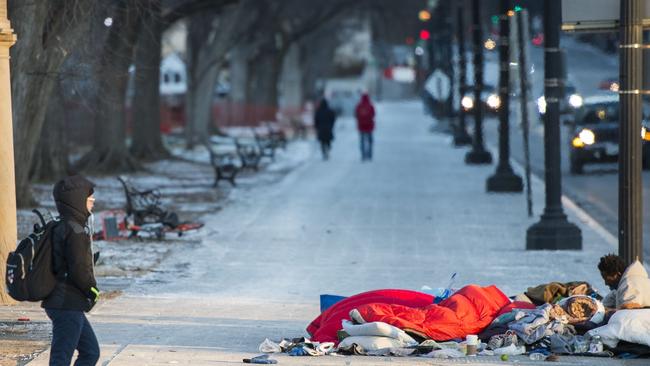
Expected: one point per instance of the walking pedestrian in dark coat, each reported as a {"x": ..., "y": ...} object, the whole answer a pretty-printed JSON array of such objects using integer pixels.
[
  {"x": 365, "y": 113},
  {"x": 324, "y": 123},
  {"x": 76, "y": 290}
]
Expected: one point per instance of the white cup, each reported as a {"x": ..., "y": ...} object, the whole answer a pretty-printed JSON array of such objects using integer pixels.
[
  {"x": 472, "y": 340},
  {"x": 472, "y": 344}
]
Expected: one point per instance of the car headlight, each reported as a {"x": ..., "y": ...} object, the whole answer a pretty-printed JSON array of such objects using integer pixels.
[
  {"x": 493, "y": 101},
  {"x": 645, "y": 133},
  {"x": 541, "y": 105},
  {"x": 575, "y": 100},
  {"x": 587, "y": 136},
  {"x": 467, "y": 102}
]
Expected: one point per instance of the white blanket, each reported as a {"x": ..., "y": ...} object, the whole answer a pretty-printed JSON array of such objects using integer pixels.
[
  {"x": 380, "y": 329},
  {"x": 625, "y": 325}
]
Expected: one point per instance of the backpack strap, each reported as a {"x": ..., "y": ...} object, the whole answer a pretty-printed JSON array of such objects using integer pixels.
[{"x": 76, "y": 227}]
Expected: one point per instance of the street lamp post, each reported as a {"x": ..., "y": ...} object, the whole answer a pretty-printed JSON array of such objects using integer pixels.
[
  {"x": 461, "y": 137},
  {"x": 630, "y": 222},
  {"x": 553, "y": 231},
  {"x": 8, "y": 231},
  {"x": 478, "y": 154},
  {"x": 504, "y": 179}
]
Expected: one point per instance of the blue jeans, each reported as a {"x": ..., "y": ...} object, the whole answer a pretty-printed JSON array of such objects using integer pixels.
[
  {"x": 366, "y": 145},
  {"x": 71, "y": 330}
]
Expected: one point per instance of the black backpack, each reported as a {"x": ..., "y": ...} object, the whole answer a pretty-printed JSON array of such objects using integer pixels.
[{"x": 29, "y": 274}]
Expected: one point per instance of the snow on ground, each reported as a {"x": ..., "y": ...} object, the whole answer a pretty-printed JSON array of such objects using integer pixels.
[{"x": 185, "y": 184}]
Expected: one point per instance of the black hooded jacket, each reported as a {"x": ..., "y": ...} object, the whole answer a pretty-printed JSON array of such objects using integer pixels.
[
  {"x": 72, "y": 256},
  {"x": 324, "y": 122}
]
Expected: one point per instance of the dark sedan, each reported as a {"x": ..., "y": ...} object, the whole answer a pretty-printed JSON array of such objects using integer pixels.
[
  {"x": 490, "y": 100},
  {"x": 595, "y": 133}
]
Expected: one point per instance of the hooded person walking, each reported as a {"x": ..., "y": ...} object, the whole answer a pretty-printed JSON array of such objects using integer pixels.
[
  {"x": 365, "y": 113},
  {"x": 76, "y": 289},
  {"x": 324, "y": 122}
]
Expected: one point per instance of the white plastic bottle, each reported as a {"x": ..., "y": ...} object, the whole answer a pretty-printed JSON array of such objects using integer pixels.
[{"x": 596, "y": 344}]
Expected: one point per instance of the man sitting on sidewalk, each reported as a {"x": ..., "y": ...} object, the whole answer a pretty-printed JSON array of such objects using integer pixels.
[{"x": 630, "y": 287}]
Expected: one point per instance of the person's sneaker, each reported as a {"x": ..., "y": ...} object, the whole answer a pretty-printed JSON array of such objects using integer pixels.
[{"x": 503, "y": 340}]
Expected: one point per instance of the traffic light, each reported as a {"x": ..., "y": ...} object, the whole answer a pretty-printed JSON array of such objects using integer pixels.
[
  {"x": 518, "y": 8},
  {"x": 425, "y": 34}
]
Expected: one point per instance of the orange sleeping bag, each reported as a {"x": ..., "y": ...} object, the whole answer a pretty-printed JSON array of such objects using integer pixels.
[{"x": 468, "y": 311}]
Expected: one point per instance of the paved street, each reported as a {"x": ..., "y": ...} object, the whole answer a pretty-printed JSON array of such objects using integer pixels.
[
  {"x": 596, "y": 191},
  {"x": 410, "y": 218}
]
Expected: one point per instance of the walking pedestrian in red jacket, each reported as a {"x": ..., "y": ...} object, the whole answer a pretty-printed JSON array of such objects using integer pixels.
[{"x": 365, "y": 113}]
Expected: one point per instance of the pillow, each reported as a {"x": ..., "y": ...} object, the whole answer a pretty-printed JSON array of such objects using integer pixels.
[
  {"x": 378, "y": 329},
  {"x": 625, "y": 325},
  {"x": 369, "y": 343}
]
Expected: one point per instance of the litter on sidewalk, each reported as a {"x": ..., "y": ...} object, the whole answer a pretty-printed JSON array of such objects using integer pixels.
[{"x": 545, "y": 321}]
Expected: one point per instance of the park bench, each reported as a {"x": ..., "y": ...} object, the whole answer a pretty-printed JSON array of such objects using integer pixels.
[
  {"x": 144, "y": 206},
  {"x": 223, "y": 158},
  {"x": 265, "y": 144},
  {"x": 277, "y": 134},
  {"x": 249, "y": 153},
  {"x": 270, "y": 137}
]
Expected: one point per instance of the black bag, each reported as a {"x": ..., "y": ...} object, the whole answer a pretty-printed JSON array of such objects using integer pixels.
[{"x": 29, "y": 274}]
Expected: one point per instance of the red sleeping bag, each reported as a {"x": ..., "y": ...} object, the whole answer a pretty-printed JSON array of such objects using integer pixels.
[
  {"x": 468, "y": 311},
  {"x": 325, "y": 326}
]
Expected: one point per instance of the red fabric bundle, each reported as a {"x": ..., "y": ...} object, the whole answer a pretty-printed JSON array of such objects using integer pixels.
[
  {"x": 468, "y": 311},
  {"x": 325, "y": 326}
]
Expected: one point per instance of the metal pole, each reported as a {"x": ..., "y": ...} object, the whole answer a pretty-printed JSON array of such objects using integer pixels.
[
  {"x": 523, "y": 98},
  {"x": 478, "y": 154},
  {"x": 448, "y": 59},
  {"x": 8, "y": 227},
  {"x": 630, "y": 224},
  {"x": 461, "y": 137},
  {"x": 553, "y": 231},
  {"x": 433, "y": 55},
  {"x": 504, "y": 179}
]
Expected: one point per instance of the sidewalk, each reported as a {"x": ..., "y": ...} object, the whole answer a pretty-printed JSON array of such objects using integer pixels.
[{"x": 410, "y": 218}]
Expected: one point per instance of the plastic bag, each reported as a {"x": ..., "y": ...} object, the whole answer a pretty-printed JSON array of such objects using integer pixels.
[
  {"x": 268, "y": 346},
  {"x": 441, "y": 293},
  {"x": 511, "y": 350}
]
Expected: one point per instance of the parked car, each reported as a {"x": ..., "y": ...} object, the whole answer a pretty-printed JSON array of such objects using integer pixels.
[
  {"x": 490, "y": 99},
  {"x": 595, "y": 133}
]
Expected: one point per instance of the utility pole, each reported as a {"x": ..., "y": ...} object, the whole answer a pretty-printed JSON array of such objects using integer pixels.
[
  {"x": 478, "y": 154},
  {"x": 553, "y": 231},
  {"x": 630, "y": 213},
  {"x": 8, "y": 227},
  {"x": 446, "y": 36},
  {"x": 504, "y": 179},
  {"x": 461, "y": 137}
]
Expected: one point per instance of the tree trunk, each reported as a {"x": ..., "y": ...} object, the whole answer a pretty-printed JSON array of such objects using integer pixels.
[
  {"x": 48, "y": 32},
  {"x": 147, "y": 140},
  {"x": 51, "y": 159},
  {"x": 201, "y": 105},
  {"x": 110, "y": 154},
  {"x": 210, "y": 37},
  {"x": 262, "y": 88}
]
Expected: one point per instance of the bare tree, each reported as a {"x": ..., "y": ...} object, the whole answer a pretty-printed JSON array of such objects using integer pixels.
[
  {"x": 51, "y": 159},
  {"x": 147, "y": 140},
  {"x": 48, "y": 31},
  {"x": 110, "y": 153},
  {"x": 292, "y": 21},
  {"x": 210, "y": 38}
]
